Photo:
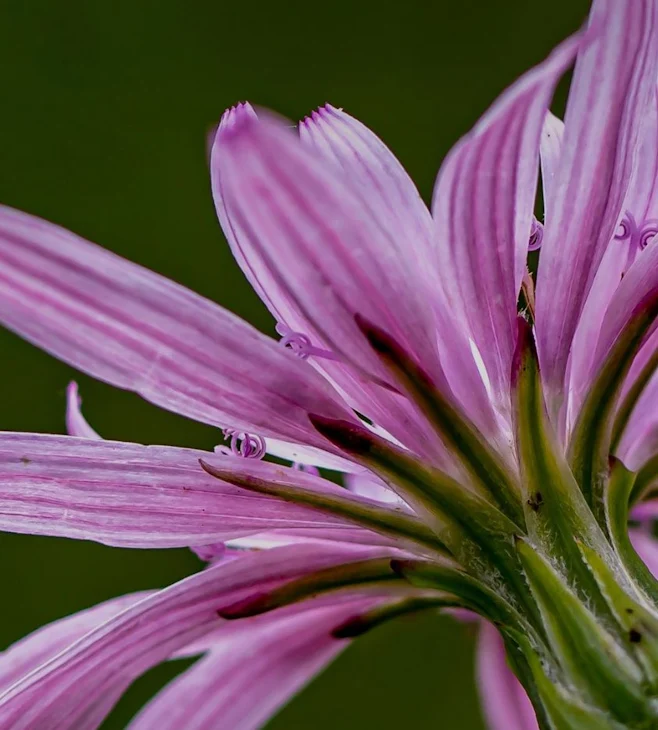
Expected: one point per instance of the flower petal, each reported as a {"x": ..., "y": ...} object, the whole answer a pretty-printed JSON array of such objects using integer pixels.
[
  {"x": 75, "y": 681},
  {"x": 130, "y": 495},
  {"x": 45, "y": 643},
  {"x": 638, "y": 287},
  {"x": 647, "y": 548},
  {"x": 642, "y": 203},
  {"x": 137, "y": 330},
  {"x": 252, "y": 672},
  {"x": 317, "y": 254},
  {"x": 369, "y": 485},
  {"x": 609, "y": 98},
  {"x": 276, "y": 538},
  {"x": 380, "y": 180},
  {"x": 550, "y": 149},
  {"x": 504, "y": 701},
  {"x": 483, "y": 206}
]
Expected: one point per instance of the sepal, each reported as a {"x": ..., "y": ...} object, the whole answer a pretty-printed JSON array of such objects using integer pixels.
[
  {"x": 556, "y": 510},
  {"x": 638, "y": 623},
  {"x": 592, "y": 436},
  {"x": 591, "y": 658},
  {"x": 461, "y": 437},
  {"x": 563, "y": 710},
  {"x": 617, "y": 498},
  {"x": 364, "y": 622},
  {"x": 474, "y": 594},
  {"x": 361, "y": 573}
]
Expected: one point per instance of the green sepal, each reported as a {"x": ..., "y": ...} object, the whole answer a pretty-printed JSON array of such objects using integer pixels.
[
  {"x": 591, "y": 440},
  {"x": 381, "y": 614},
  {"x": 645, "y": 479},
  {"x": 476, "y": 533},
  {"x": 383, "y": 520},
  {"x": 589, "y": 656},
  {"x": 474, "y": 594},
  {"x": 460, "y": 435},
  {"x": 348, "y": 575},
  {"x": 640, "y": 626},
  {"x": 564, "y": 711},
  {"x": 617, "y": 498},
  {"x": 519, "y": 649},
  {"x": 556, "y": 510}
]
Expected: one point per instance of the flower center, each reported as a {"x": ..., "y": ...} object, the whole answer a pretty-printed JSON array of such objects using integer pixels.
[
  {"x": 246, "y": 445},
  {"x": 638, "y": 236}
]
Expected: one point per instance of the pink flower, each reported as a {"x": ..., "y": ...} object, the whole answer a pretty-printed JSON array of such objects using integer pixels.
[{"x": 482, "y": 473}]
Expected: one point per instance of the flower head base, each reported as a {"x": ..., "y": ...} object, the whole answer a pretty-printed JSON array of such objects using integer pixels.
[{"x": 490, "y": 463}]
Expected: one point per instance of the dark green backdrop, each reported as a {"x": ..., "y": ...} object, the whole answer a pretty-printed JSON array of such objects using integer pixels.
[{"x": 104, "y": 110}]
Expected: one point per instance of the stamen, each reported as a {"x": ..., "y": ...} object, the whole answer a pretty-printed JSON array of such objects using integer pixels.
[
  {"x": 638, "y": 236},
  {"x": 301, "y": 344},
  {"x": 536, "y": 235},
  {"x": 246, "y": 445},
  {"x": 649, "y": 230}
]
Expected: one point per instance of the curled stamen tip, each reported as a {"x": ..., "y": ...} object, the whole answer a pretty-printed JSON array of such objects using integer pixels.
[
  {"x": 297, "y": 342},
  {"x": 245, "y": 445},
  {"x": 648, "y": 233}
]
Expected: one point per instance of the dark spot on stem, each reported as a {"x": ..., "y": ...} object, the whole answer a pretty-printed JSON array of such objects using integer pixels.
[
  {"x": 535, "y": 502},
  {"x": 634, "y": 636}
]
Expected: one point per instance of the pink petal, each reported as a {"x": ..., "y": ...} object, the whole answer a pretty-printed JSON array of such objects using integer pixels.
[
  {"x": 384, "y": 186},
  {"x": 310, "y": 456},
  {"x": 370, "y": 486},
  {"x": 646, "y": 511},
  {"x": 317, "y": 254},
  {"x": 74, "y": 682},
  {"x": 45, "y": 643},
  {"x": 642, "y": 203},
  {"x": 550, "y": 148},
  {"x": 639, "y": 441},
  {"x": 645, "y": 544},
  {"x": 137, "y": 330},
  {"x": 483, "y": 206},
  {"x": 614, "y": 77},
  {"x": 636, "y": 290},
  {"x": 131, "y": 495},
  {"x": 76, "y": 423},
  {"x": 251, "y": 673},
  {"x": 302, "y": 536},
  {"x": 505, "y": 704}
]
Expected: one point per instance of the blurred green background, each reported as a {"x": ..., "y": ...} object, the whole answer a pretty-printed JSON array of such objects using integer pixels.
[{"x": 105, "y": 108}]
